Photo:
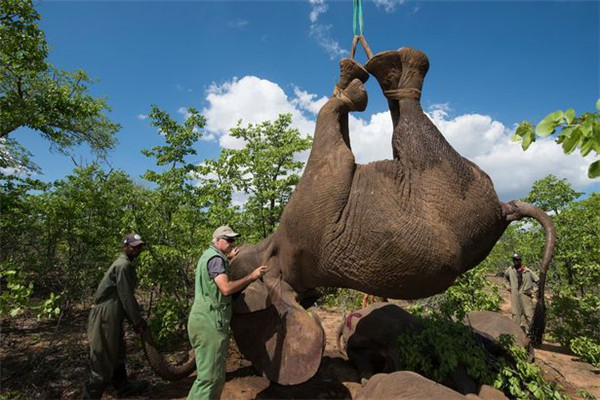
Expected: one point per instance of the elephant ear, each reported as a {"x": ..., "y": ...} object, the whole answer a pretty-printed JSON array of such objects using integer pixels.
[
  {"x": 254, "y": 298},
  {"x": 284, "y": 342}
]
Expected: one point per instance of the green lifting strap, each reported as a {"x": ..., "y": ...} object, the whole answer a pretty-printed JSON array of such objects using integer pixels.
[{"x": 357, "y": 17}]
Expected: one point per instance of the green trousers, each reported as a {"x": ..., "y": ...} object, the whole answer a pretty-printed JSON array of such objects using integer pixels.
[
  {"x": 106, "y": 340},
  {"x": 209, "y": 336},
  {"x": 522, "y": 306}
]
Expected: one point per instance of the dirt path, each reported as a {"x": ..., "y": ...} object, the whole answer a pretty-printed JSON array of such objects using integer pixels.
[
  {"x": 560, "y": 365},
  {"x": 37, "y": 363}
]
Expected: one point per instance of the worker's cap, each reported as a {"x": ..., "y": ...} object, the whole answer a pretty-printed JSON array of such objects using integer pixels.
[
  {"x": 225, "y": 231},
  {"x": 516, "y": 256},
  {"x": 133, "y": 239}
]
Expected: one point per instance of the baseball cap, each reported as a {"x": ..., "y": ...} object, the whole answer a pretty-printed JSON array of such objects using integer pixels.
[
  {"x": 133, "y": 239},
  {"x": 225, "y": 231},
  {"x": 516, "y": 256}
]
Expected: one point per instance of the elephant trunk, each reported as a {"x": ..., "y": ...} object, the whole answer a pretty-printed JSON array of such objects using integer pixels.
[
  {"x": 516, "y": 210},
  {"x": 161, "y": 366}
]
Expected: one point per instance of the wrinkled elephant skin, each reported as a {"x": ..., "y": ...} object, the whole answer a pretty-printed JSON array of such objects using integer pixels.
[
  {"x": 370, "y": 339},
  {"x": 490, "y": 325},
  {"x": 405, "y": 385},
  {"x": 403, "y": 228}
]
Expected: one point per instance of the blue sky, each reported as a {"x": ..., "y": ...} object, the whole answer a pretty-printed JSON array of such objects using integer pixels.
[{"x": 493, "y": 64}]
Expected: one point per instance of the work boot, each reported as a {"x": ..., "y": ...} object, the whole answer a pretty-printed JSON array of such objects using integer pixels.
[
  {"x": 119, "y": 378},
  {"x": 92, "y": 391},
  {"x": 132, "y": 388},
  {"x": 123, "y": 386}
]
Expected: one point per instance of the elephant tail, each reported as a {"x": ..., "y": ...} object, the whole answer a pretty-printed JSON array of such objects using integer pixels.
[
  {"x": 161, "y": 365},
  {"x": 516, "y": 210}
]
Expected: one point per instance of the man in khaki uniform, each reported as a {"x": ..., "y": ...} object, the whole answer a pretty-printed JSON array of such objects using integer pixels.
[
  {"x": 113, "y": 302},
  {"x": 208, "y": 323},
  {"x": 523, "y": 285}
]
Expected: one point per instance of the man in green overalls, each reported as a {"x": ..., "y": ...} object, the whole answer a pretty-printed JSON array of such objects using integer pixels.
[
  {"x": 523, "y": 285},
  {"x": 113, "y": 302},
  {"x": 208, "y": 323}
]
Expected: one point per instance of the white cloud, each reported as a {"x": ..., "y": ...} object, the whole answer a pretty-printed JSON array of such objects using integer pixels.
[
  {"x": 321, "y": 32},
  {"x": 478, "y": 137},
  {"x": 318, "y": 7},
  {"x": 237, "y": 23},
  {"x": 254, "y": 100},
  {"x": 183, "y": 111},
  {"x": 388, "y": 5},
  {"x": 181, "y": 88},
  {"x": 142, "y": 117},
  {"x": 488, "y": 144},
  {"x": 323, "y": 37}
]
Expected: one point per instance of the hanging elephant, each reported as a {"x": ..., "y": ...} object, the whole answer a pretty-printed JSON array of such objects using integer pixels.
[{"x": 402, "y": 229}]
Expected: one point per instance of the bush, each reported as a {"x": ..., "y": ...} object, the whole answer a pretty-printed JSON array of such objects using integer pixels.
[
  {"x": 444, "y": 345},
  {"x": 344, "y": 299},
  {"x": 472, "y": 291},
  {"x": 573, "y": 317},
  {"x": 587, "y": 349}
]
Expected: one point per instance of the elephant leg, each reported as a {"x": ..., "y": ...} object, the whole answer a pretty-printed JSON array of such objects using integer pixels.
[
  {"x": 284, "y": 342},
  {"x": 331, "y": 130},
  {"x": 386, "y": 67}
]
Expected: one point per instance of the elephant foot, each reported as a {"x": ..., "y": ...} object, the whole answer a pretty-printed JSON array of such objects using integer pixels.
[
  {"x": 350, "y": 70},
  {"x": 354, "y": 95},
  {"x": 287, "y": 349},
  {"x": 386, "y": 67},
  {"x": 415, "y": 65}
]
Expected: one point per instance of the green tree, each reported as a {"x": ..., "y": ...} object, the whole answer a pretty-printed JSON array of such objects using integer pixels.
[
  {"x": 575, "y": 307},
  {"x": 172, "y": 218},
  {"x": 552, "y": 194},
  {"x": 266, "y": 169},
  {"x": 574, "y": 276},
  {"x": 60, "y": 238},
  {"x": 36, "y": 95},
  {"x": 581, "y": 133}
]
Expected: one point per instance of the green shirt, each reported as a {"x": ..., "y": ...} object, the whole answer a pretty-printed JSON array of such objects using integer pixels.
[
  {"x": 118, "y": 284},
  {"x": 528, "y": 283}
]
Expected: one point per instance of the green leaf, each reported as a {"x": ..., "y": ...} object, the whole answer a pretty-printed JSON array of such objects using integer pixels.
[
  {"x": 549, "y": 123},
  {"x": 545, "y": 128},
  {"x": 594, "y": 170},
  {"x": 586, "y": 128},
  {"x": 570, "y": 115},
  {"x": 598, "y": 104},
  {"x": 586, "y": 146},
  {"x": 524, "y": 128},
  {"x": 570, "y": 143},
  {"x": 556, "y": 116},
  {"x": 528, "y": 139}
]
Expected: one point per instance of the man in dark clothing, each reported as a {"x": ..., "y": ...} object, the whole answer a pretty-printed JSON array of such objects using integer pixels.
[
  {"x": 113, "y": 302},
  {"x": 522, "y": 283}
]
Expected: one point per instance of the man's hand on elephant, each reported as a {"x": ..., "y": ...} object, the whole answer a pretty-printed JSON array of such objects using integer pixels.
[
  {"x": 259, "y": 272},
  {"x": 141, "y": 327}
]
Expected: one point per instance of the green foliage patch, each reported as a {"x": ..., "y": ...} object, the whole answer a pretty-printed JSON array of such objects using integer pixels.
[{"x": 443, "y": 346}]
